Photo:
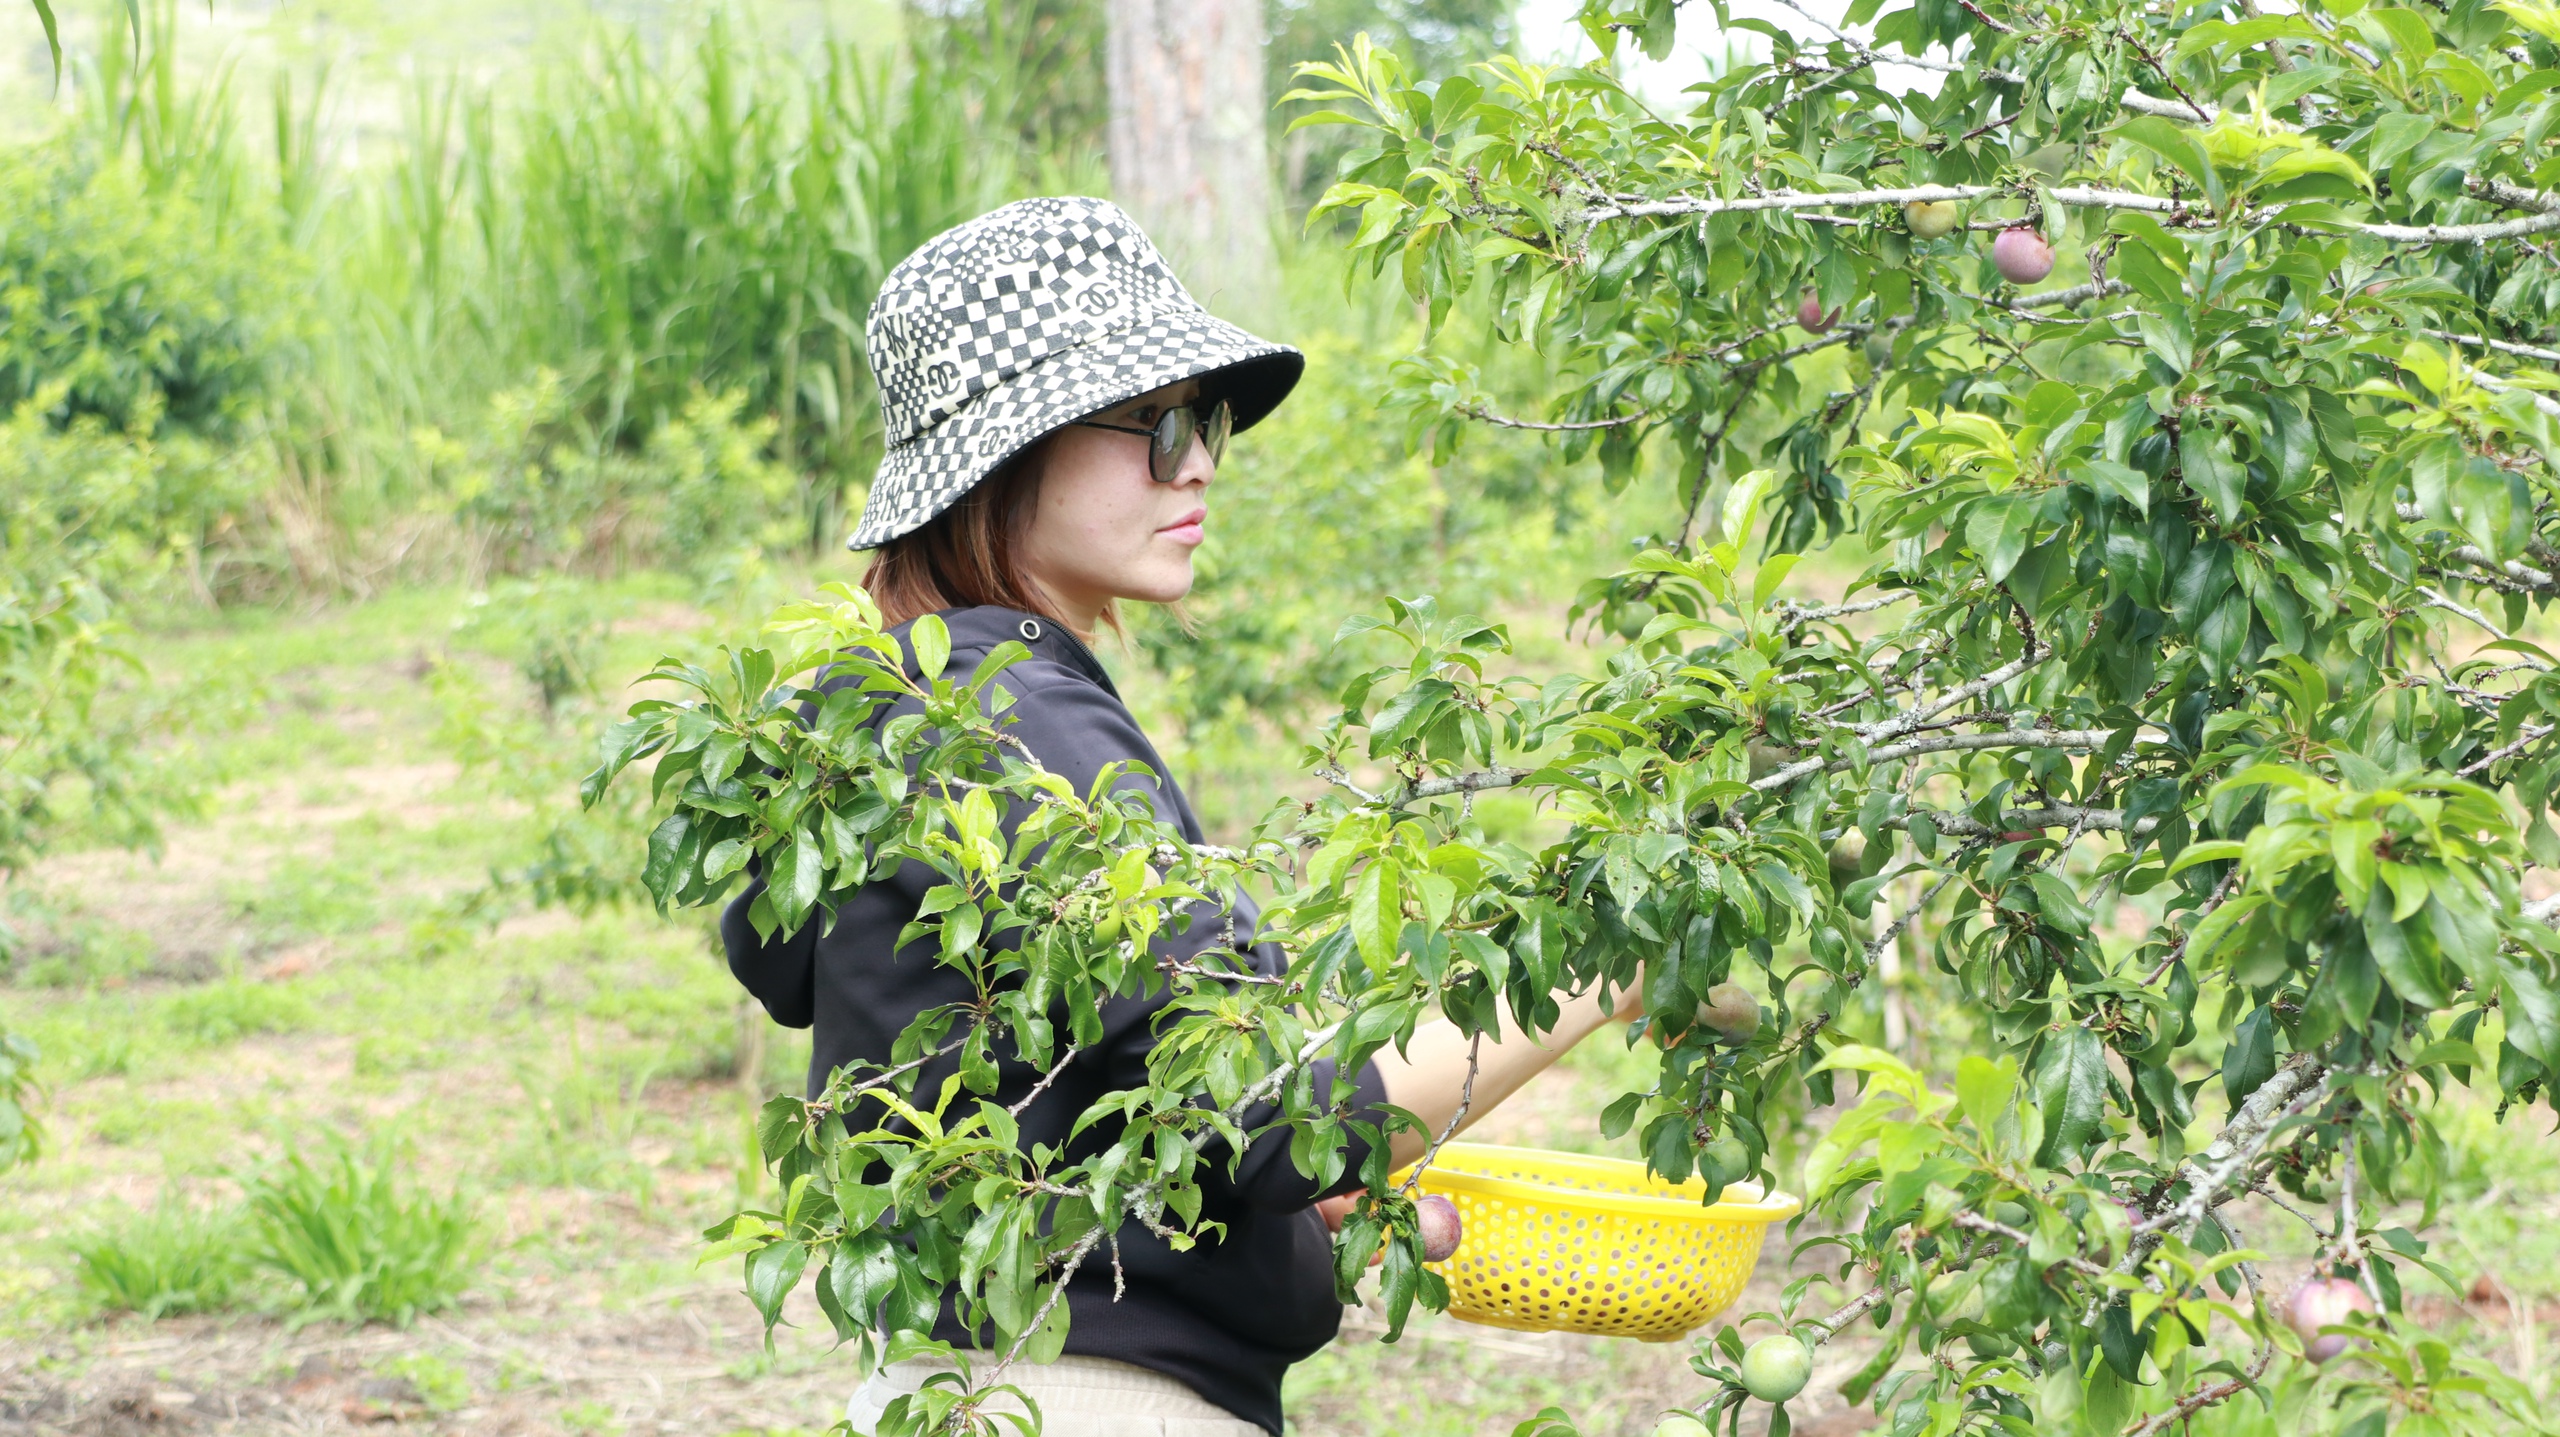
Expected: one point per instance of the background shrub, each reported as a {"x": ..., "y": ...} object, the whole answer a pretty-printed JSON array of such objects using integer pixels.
[{"x": 129, "y": 301}]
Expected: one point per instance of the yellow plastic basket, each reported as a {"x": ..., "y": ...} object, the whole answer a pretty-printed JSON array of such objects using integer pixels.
[{"x": 1559, "y": 1242}]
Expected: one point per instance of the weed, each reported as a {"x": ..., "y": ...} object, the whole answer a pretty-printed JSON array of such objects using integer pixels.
[
  {"x": 20, "y": 1138},
  {"x": 589, "y": 1416},
  {"x": 232, "y": 1009},
  {"x": 101, "y": 1053},
  {"x": 380, "y": 1055},
  {"x": 136, "y": 1119},
  {"x": 170, "y": 1258},
  {"x": 363, "y": 1242},
  {"x": 443, "y": 1386}
]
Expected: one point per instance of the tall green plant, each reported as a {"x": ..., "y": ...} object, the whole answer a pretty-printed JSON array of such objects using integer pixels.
[{"x": 646, "y": 229}]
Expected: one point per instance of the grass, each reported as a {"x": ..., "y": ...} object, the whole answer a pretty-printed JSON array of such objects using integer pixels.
[
  {"x": 362, "y": 1239},
  {"x": 175, "y": 1256}
]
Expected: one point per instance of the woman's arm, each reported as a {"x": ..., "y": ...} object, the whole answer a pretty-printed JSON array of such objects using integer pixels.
[{"x": 1430, "y": 1078}]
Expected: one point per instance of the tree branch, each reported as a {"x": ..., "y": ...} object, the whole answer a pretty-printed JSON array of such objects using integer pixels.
[
  {"x": 1479, "y": 412},
  {"x": 2547, "y": 208},
  {"x": 1945, "y": 743},
  {"x": 2026, "y": 820}
]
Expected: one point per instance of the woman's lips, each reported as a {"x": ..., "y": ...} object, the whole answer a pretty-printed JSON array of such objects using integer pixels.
[{"x": 1187, "y": 529}]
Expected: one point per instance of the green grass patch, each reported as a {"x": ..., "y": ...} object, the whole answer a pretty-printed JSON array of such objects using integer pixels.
[{"x": 174, "y": 1257}]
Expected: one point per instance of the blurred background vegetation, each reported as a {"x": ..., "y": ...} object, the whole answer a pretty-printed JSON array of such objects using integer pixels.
[{"x": 379, "y": 385}]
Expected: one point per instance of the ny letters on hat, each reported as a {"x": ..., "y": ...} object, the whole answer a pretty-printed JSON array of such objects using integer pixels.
[{"x": 1024, "y": 319}]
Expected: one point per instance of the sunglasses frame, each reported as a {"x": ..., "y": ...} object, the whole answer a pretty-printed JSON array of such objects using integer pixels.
[{"x": 1169, "y": 439}]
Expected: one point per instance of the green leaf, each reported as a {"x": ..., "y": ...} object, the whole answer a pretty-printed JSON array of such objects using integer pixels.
[
  {"x": 2409, "y": 967},
  {"x": 780, "y": 1124},
  {"x": 2070, "y": 1088},
  {"x": 53, "y": 35},
  {"x": 2123, "y": 481},
  {"x": 1377, "y": 912},
  {"x": 1985, "y": 1090},
  {"x": 931, "y": 640},
  {"x": 2205, "y": 462},
  {"x": 1998, "y": 529},
  {"x": 2251, "y": 1058},
  {"x": 772, "y": 1271}
]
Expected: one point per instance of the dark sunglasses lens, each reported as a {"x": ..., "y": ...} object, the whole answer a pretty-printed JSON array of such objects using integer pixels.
[
  {"x": 1172, "y": 442},
  {"x": 1214, "y": 430}
]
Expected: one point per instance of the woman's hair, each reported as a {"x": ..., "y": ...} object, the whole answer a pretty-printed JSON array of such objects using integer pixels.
[{"x": 970, "y": 554}]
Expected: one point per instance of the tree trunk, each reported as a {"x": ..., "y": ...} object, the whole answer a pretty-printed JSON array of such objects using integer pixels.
[{"x": 1188, "y": 157}]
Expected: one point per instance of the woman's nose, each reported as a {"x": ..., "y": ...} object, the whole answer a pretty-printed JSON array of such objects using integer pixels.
[{"x": 1197, "y": 466}]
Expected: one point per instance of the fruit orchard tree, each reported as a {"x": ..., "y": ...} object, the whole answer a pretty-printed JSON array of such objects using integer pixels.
[{"x": 2183, "y": 378}]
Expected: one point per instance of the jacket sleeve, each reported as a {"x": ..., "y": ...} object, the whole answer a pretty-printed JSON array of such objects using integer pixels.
[
  {"x": 1075, "y": 730},
  {"x": 782, "y": 973}
]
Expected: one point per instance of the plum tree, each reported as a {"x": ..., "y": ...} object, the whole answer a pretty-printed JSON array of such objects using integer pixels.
[
  {"x": 2182, "y": 709},
  {"x": 2202, "y": 573}
]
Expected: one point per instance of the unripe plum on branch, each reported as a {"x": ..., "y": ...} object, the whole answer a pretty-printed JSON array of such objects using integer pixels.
[
  {"x": 1731, "y": 1013},
  {"x": 1930, "y": 219},
  {"x": 1777, "y": 1368}
]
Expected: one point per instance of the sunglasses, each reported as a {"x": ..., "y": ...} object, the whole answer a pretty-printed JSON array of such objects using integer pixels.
[{"x": 1170, "y": 438}]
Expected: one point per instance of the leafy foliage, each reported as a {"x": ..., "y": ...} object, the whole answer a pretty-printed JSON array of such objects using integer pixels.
[
  {"x": 2162, "y": 701},
  {"x": 134, "y": 302},
  {"x": 2213, "y": 532}
]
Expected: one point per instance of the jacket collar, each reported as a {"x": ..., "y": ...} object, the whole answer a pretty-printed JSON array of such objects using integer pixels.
[{"x": 983, "y": 628}]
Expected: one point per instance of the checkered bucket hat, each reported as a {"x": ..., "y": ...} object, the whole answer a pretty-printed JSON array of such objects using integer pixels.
[{"x": 1025, "y": 319}]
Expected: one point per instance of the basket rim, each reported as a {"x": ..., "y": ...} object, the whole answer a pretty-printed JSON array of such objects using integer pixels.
[{"x": 1739, "y": 1202}]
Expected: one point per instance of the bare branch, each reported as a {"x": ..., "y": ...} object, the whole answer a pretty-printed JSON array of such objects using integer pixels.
[
  {"x": 1046, "y": 1079},
  {"x": 1466, "y": 1100},
  {"x": 2294, "y": 1088},
  {"x": 1795, "y": 616},
  {"x": 2018, "y": 821},
  {"x": 1946, "y": 743},
  {"x": 2142, "y": 104},
  {"x": 1479, "y": 412},
  {"x": 2495, "y": 385},
  {"x": 2545, "y": 218},
  {"x": 2503, "y": 346},
  {"x": 1476, "y": 782}
]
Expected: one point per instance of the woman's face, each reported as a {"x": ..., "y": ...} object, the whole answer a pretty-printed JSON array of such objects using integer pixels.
[{"x": 1104, "y": 529}]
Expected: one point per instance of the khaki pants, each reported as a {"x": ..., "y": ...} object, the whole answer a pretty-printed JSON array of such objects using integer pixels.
[{"x": 1078, "y": 1397}]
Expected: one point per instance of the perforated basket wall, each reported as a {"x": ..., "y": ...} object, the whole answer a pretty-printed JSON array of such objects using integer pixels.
[{"x": 1560, "y": 1242}]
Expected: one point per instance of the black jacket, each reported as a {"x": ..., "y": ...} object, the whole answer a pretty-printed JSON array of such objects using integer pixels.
[{"x": 1226, "y": 1318}]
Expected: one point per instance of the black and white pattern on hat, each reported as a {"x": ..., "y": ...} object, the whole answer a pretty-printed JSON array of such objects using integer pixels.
[{"x": 1029, "y": 317}]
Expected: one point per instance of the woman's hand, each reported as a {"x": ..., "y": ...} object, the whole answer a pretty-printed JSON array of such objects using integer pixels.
[{"x": 1338, "y": 1207}]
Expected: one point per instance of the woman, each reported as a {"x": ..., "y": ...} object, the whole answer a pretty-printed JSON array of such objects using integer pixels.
[{"x": 1056, "y": 406}]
